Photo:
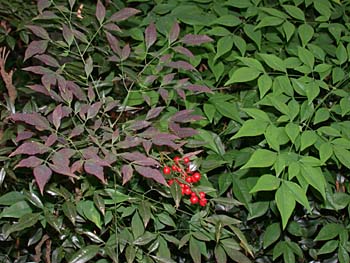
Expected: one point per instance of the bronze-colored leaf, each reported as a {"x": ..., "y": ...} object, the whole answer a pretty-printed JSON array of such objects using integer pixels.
[
  {"x": 42, "y": 175},
  {"x": 35, "y": 47},
  {"x": 123, "y": 14},
  {"x": 29, "y": 162},
  {"x": 152, "y": 173}
]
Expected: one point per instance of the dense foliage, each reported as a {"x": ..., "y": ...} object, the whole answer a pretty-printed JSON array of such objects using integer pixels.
[{"x": 175, "y": 131}]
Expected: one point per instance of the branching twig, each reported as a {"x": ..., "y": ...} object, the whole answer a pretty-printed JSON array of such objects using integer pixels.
[
  {"x": 37, "y": 257},
  {"x": 7, "y": 76}
]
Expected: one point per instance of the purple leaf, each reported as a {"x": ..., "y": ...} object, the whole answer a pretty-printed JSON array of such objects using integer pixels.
[
  {"x": 59, "y": 159},
  {"x": 77, "y": 166},
  {"x": 64, "y": 170},
  {"x": 185, "y": 116},
  {"x": 152, "y": 173},
  {"x": 39, "y": 88},
  {"x": 51, "y": 140},
  {"x": 165, "y": 58},
  {"x": 190, "y": 154},
  {"x": 67, "y": 34},
  {"x": 182, "y": 132},
  {"x": 67, "y": 152},
  {"x": 80, "y": 36},
  {"x": 35, "y": 47},
  {"x": 174, "y": 32},
  {"x": 34, "y": 119},
  {"x": 127, "y": 172},
  {"x": 181, "y": 65},
  {"x": 139, "y": 125},
  {"x": 147, "y": 99},
  {"x": 48, "y": 60},
  {"x": 198, "y": 88},
  {"x": 30, "y": 148},
  {"x": 150, "y": 35},
  {"x": 48, "y": 80},
  {"x": 76, "y": 90},
  {"x": 114, "y": 44},
  {"x": 153, "y": 113},
  {"x": 150, "y": 79},
  {"x": 164, "y": 94},
  {"x": 90, "y": 152},
  {"x": 191, "y": 39},
  {"x": 125, "y": 52},
  {"x": 168, "y": 78},
  {"x": 42, "y": 175},
  {"x": 94, "y": 109},
  {"x": 91, "y": 167},
  {"x": 46, "y": 15},
  {"x": 112, "y": 27},
  {"x": 57, "y": 116},
  {"x": 38, "y": 70},
  {"x": 91, "y": 93},
  {"x": 24, "y": 135},
  {"x": 129, "y": 142},
  {"x": 100, "y": 12},
  {"x": 181, "y": 93},
  {"x": 123, "y": 14},
  {"x": 77, "y": 130},
  {"x": 183, "y": 51},
  {"x": 140, "y": 159},
  {"x": 147, "y": 146},
  {"x": 39, "y": 31},
  {"x": 42, "y": 4},
  {"x": 166, "y": 142},
  {"x": 29, "y": 162}
]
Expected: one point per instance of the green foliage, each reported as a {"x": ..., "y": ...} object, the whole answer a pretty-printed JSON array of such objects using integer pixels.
[{"x": 255, "y": 93}]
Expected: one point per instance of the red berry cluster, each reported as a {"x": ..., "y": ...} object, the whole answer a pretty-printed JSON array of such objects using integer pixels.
[{"x": 185, "y": 177}]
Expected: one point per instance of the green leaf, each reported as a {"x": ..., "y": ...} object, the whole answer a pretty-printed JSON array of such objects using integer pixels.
[
  {"x": 257, "y": 209},
  {"x": 146, "y": 238},
  {"x": 341, "y": 54},
  {"x": 11, "y": 198},
  {"x": 252, "y": 63},
  {"x": 325, "y": 151},
  {"x": 288, "y": 29},
  {"x": 315, "y": 177},
  {"x": 269, "y": 21},
  {"x": 342, "y": 155},
  {"x": 343, "y": 255},
  {"x": 266, "y": 182},
  {"x": 273, "y": 62},
  {"x": 271, "y": 235},
  {"x": 253, "y": 34},
  {"x": 257, "y": 114},
  {"x": 240, "y": 44},
  {"x": 306, "y": 33},
  {"x": 308, "y": 138},
  {"x": 264, "y": 84},
  {"x": 16, "y": 210},
  {"x": 25, "y": 221},
  {"x": 137, "y": 226},
  {"x": 236, "y": 255},
  {"x": 329, "y": 231},
  {"x": 328, "y": 247},
  {"x": 224, "y": 45},
  {"x": 166, "y": 220},
  {"x": 91, "y": 212},
  {"x": 220, "y": 254},
  {"x": 298, "y": 194},
  {"x": 251, "y": 128},
  {"x": 194, "y": 250},
  {"x": 285, "y": 203},
  {"x": 227, "y": 20},
  {"x": 292, "y": 131},
  {"x": 261, "y": 158},
  {"x": 243, "y": 74},
  {"x": 294, "y": 11},
  {"x": 84, "y": 254},
  {"x": 175, "y": 191},
  {"x": 321, "y": 115},
  {"x": 229, "y": 110},
  {"x": 306, "y": 57},
  {"x": 273, "y": 136}
]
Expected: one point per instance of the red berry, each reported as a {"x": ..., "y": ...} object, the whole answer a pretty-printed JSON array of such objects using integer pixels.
[
  {"x": 182, "y": 185},
  {"x": 176, "y": 159},
  {"x": 193, "y": 194},
  {"x": 201, "y": 195},
  {"x": 194, "y": 199},
  {"x": 189, "y": 179},
  {"x": 203, "y": 202},
  {"x": 179, "y": 169},
  {"x": 174, "y": 167},
  {"x": 166, "y": 170},
  {"x": 187, "y": 191},
  {"x": 186, "y": 160},
  {"x": 196, "y": 177},
  {"x": 170, "y": 182}
]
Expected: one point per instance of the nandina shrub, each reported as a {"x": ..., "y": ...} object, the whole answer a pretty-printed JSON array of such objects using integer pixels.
[{"x": 105, "y": 110}]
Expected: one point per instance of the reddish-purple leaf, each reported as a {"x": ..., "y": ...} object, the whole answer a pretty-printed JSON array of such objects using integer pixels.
[
  {"x": 30, "y": 148},
  {"x": 153, "y": 113},
  {"x": 67, "y": 34},
  {"x": 80, "y": 36},
  {"x": 35, "y": 47},
  {"x": 114, "y": 44},
  {"x": 139, "y": 125},
  {"x": 190, "y": 154},
  {"x": 91, "y": 167},
  {"x": 66, "y": 94},
  {"x": 150, "y": 79},
  {"x": 125, "y": 52},
  {"x": 46, "y": 15},
  {"x": 77, "y": 166},
  {"x": 127, "y": 172},
  {"x": 123, "y": 14},
  {"x": 139, "y": 158},
  {"x": 91, "y": 93},
  {"x": 64, "y": 170},
  {"x": 23, "y": 136},
  {"x": 164, "y": 141},
  {"x": 147, "y": 146},
  {"x": 51, "y": 140},
  {"x": 67, "y": 152},
  {"x": 165, "y": 58},
  {"x": 174, "y": 32},
  {"x": 183, "y": 51},
  {"x": 191, "y": 39},
  {"x": 182, "y": 132},
  {"x": 29, "y": 162},
  {"x": 198, "y": 88},
  {"x": 38, "y": 70},
  {"x": 185, "y": 116},
  {"x": 147, "y": 99},
  {"x": 39, "y": 88},
  {"x": 129, "y": 142},
  {"x": 112, "y": 27},
  {"x": 57, "y": 116},
  {"x": 94, "y": 109},
  {"x": 34, "y": 119},
  {"x": 90, "y": 152},
  {"x": 168, "y": 78},
  {"x": 181, "y": 93},
  {"x": 39, "y": 31},
  {"x": 152, "y": 173},
  {"x": 48, "y": 80},
  {"x": 150, "y": 35},
  {"x": 100, "y": 12},
  {"x": 164, "y": 94},
  {"x": 42, "y": 175},
  {"x": 42, "y": 4},
  {"x": 76, "y": 131},
  {"x": 60, "y": 162},
  {"x": 58, "y": 158},
  {"x": 76, "y": 90},
  {"x": 181, "y": 65},
  {"x": 48, "y": 60}
]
